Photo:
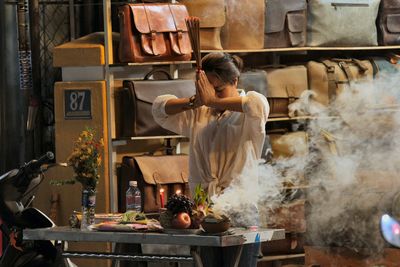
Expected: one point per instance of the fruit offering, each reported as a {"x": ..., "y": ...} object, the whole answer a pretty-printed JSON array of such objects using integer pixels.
[
  {"x": 179, "y": 203},
  {"x": 183, "y": 213},
  {"x": 178, "y": 213}
]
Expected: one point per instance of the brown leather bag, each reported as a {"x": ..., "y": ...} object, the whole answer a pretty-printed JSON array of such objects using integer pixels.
[
  {"x": 328, "y": 78},
  {"x": 285, "y": 23},
  {"x": 136, "y": 101},
  {"x": 283, "y": 91},
  {"x": 389, "y": 22},
  {"x": 169, "y": 172},
  {"x": 153, "y": 32},
  {"x": 286, "y": 145},
  {"x": 244, "y": 27},
  {"x": 291, "y": 144},
  {"x": 212, "y": 18}
]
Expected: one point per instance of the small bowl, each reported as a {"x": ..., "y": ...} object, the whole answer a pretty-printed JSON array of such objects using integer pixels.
[{"x": 216, "y": 227}]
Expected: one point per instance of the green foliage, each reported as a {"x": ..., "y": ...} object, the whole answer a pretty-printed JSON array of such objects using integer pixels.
[
  {"x": 200, "y": 197},
  {"x": 133, "y": 216}
]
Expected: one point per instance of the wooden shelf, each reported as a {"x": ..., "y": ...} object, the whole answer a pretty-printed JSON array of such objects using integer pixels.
[
  {"x": 118, "y": 65},
  {"x": 306, "y": 48},
  {"x": 286, "y": 49},
  {"x": 290, "y": 118},
  {"x": 282, "y": 257},
  {"x": 124, "y": 141},
  {"x": 301, "y": 118},
  {"x": 389, "y": 47}
]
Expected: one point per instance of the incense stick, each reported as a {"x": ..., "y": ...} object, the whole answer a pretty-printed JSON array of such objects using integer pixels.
[{"x": 193, "y": 25}]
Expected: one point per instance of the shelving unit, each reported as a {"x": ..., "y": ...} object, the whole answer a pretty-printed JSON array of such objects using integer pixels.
[
  {"x": 306, "y": 48},
  {"x": 152, "y": 63},
  {"x": 121, "y": 142},
  {"x": 114, "y": 71}
]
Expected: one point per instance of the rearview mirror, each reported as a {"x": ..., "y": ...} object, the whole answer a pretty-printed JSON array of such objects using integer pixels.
[{"x": 390, "y": 229}]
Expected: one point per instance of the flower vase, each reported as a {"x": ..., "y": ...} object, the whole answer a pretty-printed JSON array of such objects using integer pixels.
[{"x": 88, "y": 208}]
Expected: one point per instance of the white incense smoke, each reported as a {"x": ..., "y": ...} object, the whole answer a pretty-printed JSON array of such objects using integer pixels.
[{"x": 351, "y": 169}]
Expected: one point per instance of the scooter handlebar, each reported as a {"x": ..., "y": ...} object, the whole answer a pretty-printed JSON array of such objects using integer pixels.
[{"x": 34, "y": 165}]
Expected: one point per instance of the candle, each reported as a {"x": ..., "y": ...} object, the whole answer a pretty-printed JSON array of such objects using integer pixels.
[
  {"x": 178, "y": 192},
  {"x": 162, "y": 197}
]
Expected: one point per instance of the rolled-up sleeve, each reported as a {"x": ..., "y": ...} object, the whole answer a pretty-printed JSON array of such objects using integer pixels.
[
  {"x": 256, "y": 108},
  {"x": 177, "y": 123}
]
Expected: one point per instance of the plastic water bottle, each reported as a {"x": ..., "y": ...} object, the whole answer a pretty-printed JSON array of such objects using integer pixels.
[{"x": 133, "y": 197}]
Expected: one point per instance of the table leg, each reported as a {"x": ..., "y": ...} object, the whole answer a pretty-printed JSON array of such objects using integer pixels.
[
  {"x": 195, "y": 252},
  {"x": 115, "y": 248},
  {"x": 238, "y": 254}
]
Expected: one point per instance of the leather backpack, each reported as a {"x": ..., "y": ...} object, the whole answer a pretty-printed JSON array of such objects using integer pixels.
[
  {"x": 212, "y": 18},
  {"x": 329, "y": 77},
  {"x": 283, "y": 91},
  {"x": 244, "y": 27},
  {"x": 285, "y": 23}
]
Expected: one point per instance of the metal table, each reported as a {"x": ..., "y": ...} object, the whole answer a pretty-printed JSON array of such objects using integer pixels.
[{"x": 238, "y": 238}]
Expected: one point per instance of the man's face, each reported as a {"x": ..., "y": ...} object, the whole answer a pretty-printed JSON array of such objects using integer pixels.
[{"x": 221, "y": 89}]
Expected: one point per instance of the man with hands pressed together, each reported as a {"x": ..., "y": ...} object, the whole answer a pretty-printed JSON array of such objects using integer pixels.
[{"x": 226, "y": 132}]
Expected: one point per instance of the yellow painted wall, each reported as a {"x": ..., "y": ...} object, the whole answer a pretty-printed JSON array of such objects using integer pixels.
[{"x": 66, "y": 132}]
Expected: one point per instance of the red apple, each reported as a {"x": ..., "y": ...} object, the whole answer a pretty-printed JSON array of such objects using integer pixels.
[{"x": 181, "y": 221}]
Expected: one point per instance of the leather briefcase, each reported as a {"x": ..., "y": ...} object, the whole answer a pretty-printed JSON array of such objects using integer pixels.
[
  {"x": 283, "y": 91},
  {"x": 153, "y": 32},
  {"x": 244, "y": 27},
  {"x": 137, "y": 97},
  {"x": 169, "y": 172},
  {"x": 389, "y": 22},
  {"x": 328, "y": 78},
  {"x": 342, "y": 23},
  {"x": 212, "y": 18},
  {"x": 285, "y": 23}
]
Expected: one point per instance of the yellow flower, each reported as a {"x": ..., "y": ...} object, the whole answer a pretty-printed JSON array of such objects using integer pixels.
[{"x": 86, "y": 158}]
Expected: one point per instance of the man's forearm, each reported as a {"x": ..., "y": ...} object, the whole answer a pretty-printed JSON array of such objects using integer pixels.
[
  {"x": 174, "y": 106},
  {"x": 228, "y": 103}
]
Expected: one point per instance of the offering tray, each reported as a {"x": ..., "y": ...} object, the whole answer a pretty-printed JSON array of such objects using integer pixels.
[{"x": 127, "y": 227}]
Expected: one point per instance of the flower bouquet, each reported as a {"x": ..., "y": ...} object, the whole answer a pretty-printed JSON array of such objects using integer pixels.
[{"x": 85, "y": 159}]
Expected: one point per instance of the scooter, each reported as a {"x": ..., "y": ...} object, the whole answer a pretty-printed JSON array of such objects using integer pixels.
[{"x": 17, "y": 191}]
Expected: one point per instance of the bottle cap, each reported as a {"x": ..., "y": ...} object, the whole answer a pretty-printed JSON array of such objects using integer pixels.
[{"x": 132, "y": 183}]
